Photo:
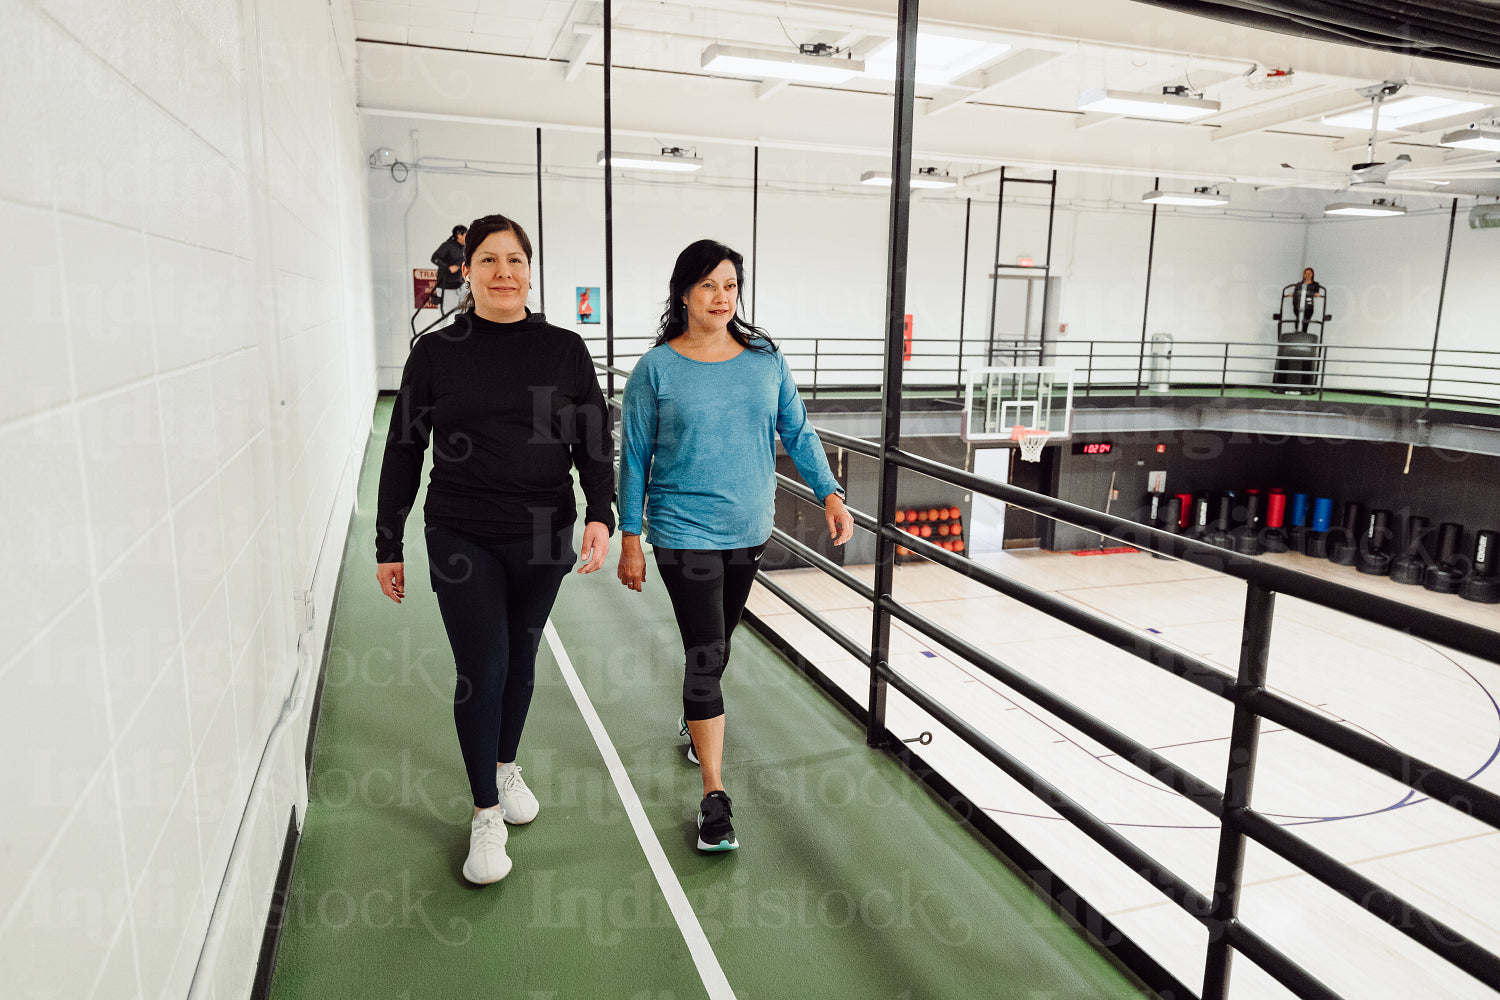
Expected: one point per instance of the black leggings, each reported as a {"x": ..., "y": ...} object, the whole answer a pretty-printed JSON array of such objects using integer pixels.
[
  {"x": 708, "y": 588},
  {"x": 495, "y": 600}
]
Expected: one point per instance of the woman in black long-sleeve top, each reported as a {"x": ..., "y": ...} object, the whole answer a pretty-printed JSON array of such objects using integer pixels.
[{"x": 512, "y": 406}]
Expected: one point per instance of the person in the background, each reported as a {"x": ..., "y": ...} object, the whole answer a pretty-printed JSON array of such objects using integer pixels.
[
  {"x": 515, "y": 406},
  {"x": 1303, "y": 294},
  {"x": 449, "y": 258},
  {"x": 702, "y": 411}
]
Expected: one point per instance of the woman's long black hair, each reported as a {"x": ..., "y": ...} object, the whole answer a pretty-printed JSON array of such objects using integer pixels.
[{"x": 694, "y": 264}]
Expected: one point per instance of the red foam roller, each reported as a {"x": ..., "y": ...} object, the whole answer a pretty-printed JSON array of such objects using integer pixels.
[
  {"x": 1187, "y": 509},
  {"x": 1275, "y": 510}
]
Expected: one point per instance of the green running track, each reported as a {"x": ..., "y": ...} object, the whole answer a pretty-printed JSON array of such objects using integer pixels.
[{"x": 852, "y": 880}]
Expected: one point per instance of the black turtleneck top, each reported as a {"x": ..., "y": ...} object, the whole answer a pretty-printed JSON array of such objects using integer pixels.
[{"x": 511, "y": 409}]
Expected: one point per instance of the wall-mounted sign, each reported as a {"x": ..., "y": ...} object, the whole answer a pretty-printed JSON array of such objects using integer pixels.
[
  {"x": 588, "y": 304},
  {"x": 423, "y": 281}
]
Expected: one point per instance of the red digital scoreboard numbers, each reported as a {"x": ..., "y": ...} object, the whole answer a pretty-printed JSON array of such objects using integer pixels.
[{"x": 1093, "y": 447}]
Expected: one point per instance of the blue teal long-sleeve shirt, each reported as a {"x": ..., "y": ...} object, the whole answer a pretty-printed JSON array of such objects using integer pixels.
[{"x": 698, "y": 448}]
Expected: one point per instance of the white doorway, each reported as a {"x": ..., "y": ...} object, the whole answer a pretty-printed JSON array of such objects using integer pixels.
[{"x": 987, "y": 522}]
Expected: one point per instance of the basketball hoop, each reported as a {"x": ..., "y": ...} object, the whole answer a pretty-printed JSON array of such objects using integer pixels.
[{"x": 1031, "y": 441}]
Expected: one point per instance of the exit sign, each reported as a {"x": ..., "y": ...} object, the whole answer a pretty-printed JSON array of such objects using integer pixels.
[{"x": 1025, "y": 262}]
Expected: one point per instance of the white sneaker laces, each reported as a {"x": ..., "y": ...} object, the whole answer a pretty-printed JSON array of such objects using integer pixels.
[{"x": 491, "y": 832}]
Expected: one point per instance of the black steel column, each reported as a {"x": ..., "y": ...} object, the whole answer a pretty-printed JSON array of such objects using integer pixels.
[
  {"x": 609, "y": 202},
  {"x": 890, "y": 395},
  {"x": 1244, "y": 740},
  {"x": 963, "y": 298},
  {"x": 755, "y": 234},
  {"x": 1442, "y": 292},
  {"x": 1041, "y": 342},
  {"x": 1140, "y": 364},
  {"x": 541, "y": 231},
  {"x": 989, "y": 357}
]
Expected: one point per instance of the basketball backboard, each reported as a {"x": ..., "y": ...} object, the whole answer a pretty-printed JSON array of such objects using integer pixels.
[{"x": 997, "y": 399}]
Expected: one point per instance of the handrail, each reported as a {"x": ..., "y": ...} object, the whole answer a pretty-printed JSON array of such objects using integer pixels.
[
  {"x": 1430, "y": 377},
  {"x": 1253, "y": 702}
]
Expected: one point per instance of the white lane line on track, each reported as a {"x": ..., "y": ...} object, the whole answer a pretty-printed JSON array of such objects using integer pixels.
[{"x": 704, "y": 958}]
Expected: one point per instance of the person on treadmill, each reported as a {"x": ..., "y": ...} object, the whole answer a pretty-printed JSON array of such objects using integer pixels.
[
  {"x": 1303, "y": 294},
  {"x": 449, "y": 258}
]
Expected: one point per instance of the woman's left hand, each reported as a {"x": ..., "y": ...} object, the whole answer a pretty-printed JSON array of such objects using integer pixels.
[
  {"x": 594, "y": 548},
  {"x": 840, "y": 521}
]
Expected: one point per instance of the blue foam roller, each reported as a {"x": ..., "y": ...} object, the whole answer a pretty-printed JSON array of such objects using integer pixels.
[
  {"x": 1322, "y": 513},
  {"x": 1299, "y": 510}
]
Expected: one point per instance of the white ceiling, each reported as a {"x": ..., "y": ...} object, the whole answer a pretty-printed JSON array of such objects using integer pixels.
[{"x": 544, "y": 58}]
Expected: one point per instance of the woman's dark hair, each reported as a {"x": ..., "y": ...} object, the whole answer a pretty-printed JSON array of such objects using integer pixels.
[
  {"x": 480, "y": 230},
  {"x": 694, "y": 264},
  {"x": 483, "y": 228}
]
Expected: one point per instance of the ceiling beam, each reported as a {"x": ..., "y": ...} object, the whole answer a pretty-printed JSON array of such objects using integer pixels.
[
  {"x": 988, "y": 82},
  {"x": 588, "y": 39},
  {"x": 1309, "y": 105}
]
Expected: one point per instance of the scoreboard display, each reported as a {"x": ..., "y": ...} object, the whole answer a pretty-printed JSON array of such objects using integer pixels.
[{"x": 1093, "y": 447}]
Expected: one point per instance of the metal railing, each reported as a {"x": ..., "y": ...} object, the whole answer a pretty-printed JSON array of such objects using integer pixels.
[
  {"x": 1247, "y": 692},
  {"x": 824, "y": 364}
]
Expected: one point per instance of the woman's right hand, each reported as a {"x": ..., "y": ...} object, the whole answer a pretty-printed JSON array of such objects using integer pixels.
[
  {"x": 632, "y": 571},
  {"x": 392, "y": 577}
]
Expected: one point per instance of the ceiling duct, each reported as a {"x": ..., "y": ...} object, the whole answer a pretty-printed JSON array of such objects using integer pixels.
[{"x": 1461, "y": 31}]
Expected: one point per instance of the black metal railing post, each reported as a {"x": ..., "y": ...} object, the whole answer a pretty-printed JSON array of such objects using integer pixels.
[
  {"x": 895, "y": 340},
  {"x": 609, "y": 200},
  {"x": 541, "y": 230},
  {"x": 1442, "y": 291},
  {"x": 1244, "y": 741},
  {"x": 1224, "y": 371},
  {"x": 755, "y": 232},
  {"x": 1140, "y": 364},
  {"x": 963, "y": 298}
]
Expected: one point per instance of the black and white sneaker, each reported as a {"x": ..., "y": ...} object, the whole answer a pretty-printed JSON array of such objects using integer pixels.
[
  {"x": 715, "y": 833},
  {"x": 682, "y": 730}
]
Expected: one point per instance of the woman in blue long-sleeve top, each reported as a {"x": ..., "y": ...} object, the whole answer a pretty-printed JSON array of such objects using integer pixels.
[{"x": 702, "y": 412}]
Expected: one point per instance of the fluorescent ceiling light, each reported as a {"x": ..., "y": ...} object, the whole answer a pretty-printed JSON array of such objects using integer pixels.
[
  {"x": 1362, "y": 208},
  {"x": 936, "y": 181},
  {"x": 1473, "y": 137},
  {"x": 770, "y": 64},
  {"x": 1197, "y": 196},
  {"x": 1168, "y": 106},
  {"x": 940, "y": 58},
  {"x": 678, "y": 162},
  {"x": 1402, "y": 113}
]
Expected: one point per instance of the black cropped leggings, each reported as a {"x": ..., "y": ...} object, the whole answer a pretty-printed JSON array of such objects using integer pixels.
[
  {"x": 708, "y": 588},
  {"x": 495, "y": 600}
]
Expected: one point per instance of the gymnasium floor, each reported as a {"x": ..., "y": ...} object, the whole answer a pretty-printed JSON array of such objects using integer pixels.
[
  {"x": 1434, "y": 703},
  {"x": 852, "y": 881}
]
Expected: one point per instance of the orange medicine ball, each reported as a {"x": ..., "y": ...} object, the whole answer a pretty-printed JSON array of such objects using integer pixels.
[
  {"x": 926, "y": 531},
  {"x": 900, "y": 516},
  {"x": 942, "y": 529},
  {"x": 954, "y": 513},
  {"x": 958, "y": 546}
]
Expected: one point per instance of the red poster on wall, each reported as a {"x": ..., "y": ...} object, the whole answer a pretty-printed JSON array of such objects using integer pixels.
[
  {"x": 423, "y": 281},
  {"x": 906, "y": 339}
]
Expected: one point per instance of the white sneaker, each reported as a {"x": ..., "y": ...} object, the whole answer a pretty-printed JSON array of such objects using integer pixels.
[
  {"x": 515, "y": 798},
  {"x": 487, "y": 860}
]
